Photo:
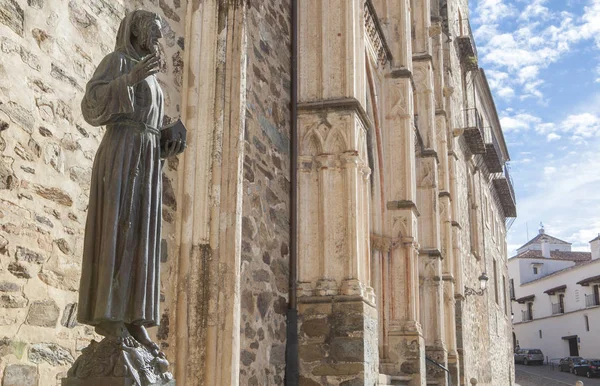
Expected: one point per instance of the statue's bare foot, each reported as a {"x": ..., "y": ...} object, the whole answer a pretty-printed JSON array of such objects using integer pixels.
[{"x": 140, "y": 334}]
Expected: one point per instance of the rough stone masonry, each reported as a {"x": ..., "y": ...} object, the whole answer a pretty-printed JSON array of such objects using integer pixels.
[{"x": 49, "y": 49}]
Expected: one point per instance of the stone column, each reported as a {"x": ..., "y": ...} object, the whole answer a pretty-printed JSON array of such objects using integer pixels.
[
  {"x": 206, "y": 325},
  {"x": 337, "y": 315},
  {"x": 428, "y": 190}
]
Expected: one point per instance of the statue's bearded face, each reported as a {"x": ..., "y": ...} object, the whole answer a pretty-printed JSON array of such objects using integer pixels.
[{"x": 147, "y": 34}]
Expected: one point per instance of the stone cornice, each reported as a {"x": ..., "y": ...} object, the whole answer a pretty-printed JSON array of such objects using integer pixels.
[
  {"x": 403, "y": 204},
  {"x": 338, "y": 104}
]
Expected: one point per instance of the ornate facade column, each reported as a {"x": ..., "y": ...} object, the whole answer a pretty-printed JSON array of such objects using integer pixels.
[
  {"x": 428, "y": 199},
  {"x": 337, "y": 315},
  {"x": 207, "y": 316}
]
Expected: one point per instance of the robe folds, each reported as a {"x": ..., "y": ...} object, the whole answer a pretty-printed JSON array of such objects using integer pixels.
[{"x": 121, "y": 254}]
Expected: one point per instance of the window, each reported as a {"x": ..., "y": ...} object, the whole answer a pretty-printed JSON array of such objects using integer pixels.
[
  {"x": 511, "y": 286},
  {"x": 587, "y": 322},
  {"x": 496, "y": 283},
  {"x": 540, "y": 334},
  {"x": 535, "y": 270},
  {"x": 504, "y": 294}
]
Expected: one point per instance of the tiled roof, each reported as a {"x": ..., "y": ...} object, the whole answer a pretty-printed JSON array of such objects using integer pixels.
[
  {"x": 537, "y": 240},
  {"x": 557, "y": 255}
]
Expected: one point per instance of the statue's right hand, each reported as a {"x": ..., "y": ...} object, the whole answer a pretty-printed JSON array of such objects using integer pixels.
[{"x": 150, "y": 65}]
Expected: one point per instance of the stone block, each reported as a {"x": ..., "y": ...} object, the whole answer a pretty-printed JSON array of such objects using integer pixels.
[
  {"x": 7, "y": 286},
  {"x": 20, "y": 375},
  {"x": 105, "y": 381},
  {"x": 11, "y": 15},
  {"x": 348, "y": 349},
  {"x": 19, "y": 270},
  {"x": 316, "y": 327},
  {"x": 51, "y": 353},
  {"x": 43, "y": 313},
  {"x": 13, "y": 301}
]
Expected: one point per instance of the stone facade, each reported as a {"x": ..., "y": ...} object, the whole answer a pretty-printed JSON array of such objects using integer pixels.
[
  {"x": 49, "y": 52},
  {"x": 402, "y": 191}
]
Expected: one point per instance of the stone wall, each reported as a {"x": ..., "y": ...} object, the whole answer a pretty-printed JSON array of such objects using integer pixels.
[
  {"x": 265, "y": 225},
  {"x": 50, "y": 49}
]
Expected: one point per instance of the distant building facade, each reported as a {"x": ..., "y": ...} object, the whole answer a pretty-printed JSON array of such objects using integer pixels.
[
  {"x": 402, "y": 185},
  {"x": 555, "y": 297}
]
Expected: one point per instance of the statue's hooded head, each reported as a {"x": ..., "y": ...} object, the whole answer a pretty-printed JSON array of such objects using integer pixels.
[{"x": 139, "y": 33}]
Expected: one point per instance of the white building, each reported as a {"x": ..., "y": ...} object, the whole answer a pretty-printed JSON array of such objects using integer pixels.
[{"x": 555, "y": 297}]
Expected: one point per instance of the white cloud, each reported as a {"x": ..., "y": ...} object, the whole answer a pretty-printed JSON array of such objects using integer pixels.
[
  {"x": 552, "y": 137},
  {"x": 549, "y": 170},
  {"x": 539, "y": 38},
  {"x": 491, "y": 11}
]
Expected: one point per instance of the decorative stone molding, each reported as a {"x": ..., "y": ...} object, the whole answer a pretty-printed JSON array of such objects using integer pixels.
[
  {"x": 384, "y": 243},
  {"x": 375, "y": 36}
]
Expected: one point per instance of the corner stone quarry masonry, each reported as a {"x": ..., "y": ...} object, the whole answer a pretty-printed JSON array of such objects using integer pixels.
[{"x": 49, "y": 50}]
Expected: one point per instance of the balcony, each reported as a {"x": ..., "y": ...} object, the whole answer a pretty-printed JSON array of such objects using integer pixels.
[
  {"x": 506, "y": 194},
  {"x": 493, "y": 156},
  {"x": 466, "y": 46},
  {"x": 526, "y": 316},
  {"x": 557, "y": 308},
  {"x": 474, "y": 130},
  {"x": 591, "y": 301}
]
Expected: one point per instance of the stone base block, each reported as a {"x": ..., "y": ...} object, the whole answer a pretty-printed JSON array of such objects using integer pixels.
[
  {"x": 406, "y": 356},
  {"x": 118, "y": 362},
  {"x": 338, "y": 341},
  {"x": 108, "y": 381}
]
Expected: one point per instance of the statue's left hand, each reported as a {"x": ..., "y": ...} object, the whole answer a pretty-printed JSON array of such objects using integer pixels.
[{"x": 172, "y": 147}]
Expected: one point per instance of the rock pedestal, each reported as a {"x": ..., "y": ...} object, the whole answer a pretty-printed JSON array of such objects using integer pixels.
[{"x": 115, "y": 362}]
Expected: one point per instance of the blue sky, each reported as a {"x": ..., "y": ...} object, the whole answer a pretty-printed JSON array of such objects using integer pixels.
[{"x": 542, "y": 59}]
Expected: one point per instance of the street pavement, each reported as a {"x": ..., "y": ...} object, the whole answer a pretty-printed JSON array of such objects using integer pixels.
[{"x": 546, "y": 376}]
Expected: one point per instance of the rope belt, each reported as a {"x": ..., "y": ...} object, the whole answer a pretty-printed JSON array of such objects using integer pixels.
[{"x": 138, "y": 125}]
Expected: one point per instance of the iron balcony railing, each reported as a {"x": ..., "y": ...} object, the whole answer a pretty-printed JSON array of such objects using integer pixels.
[
  {"x": 510, "y": 184},
  {"x": 557, "y": 308},
  {"x": 473, "y": 119},
  {"x": 526, "y": 316},
  {"x": 466, "y": 31},
  {"x": 591, "y": 300}
]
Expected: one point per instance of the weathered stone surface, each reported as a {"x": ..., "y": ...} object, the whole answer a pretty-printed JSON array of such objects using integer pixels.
[
  {"x": 3, "y": 245},
  {"x": 21, "y": 116},
  {"x": 307, "y": 382},
  {"x": 54, "y": 194},
  {"x": 338, "y": 369},
  {"x": 311, "y": 352},
  {"x": 63, "y": 245},
  {"x": 247, "y": 357},
  {"x": 69, "y": 318},
  {"x": 69, "y": 280},
  {"x": 11, "y": 14},
  {"x": 8, "y": 286},
  {"x": 348, "y": 349},
  {"x": 13, "y": 301},
  {"x": 263, "y": 303},
  {"x": 315, "y": 327},
  {"x": 43, "y": 313},
  {"x": 39, "y": 4},
  {"x": 277, "y": 354},
  {"x": 19, "y": 270},
  {"x": 20, "y": 375},
  {"x": 51, "y": 353},
  {"x": 24, "y": 254}
]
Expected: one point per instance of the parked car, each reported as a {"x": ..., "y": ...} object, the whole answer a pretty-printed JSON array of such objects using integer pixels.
[
  {"x": 588, "y": 367},
  {"x": 529, "y": 355},
  {"x": 569, "y": 363}
]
